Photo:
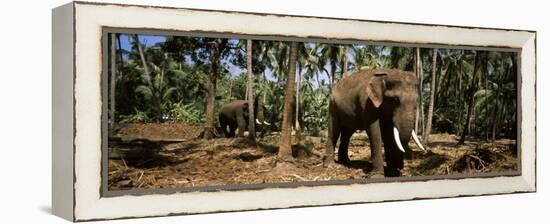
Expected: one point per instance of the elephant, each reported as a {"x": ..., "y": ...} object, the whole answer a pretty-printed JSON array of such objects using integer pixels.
[
  {"x": 234, "y": 115},
  {"x": 383, "y": 103}
]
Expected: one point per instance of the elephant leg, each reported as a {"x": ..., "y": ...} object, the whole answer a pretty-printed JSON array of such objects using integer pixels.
[
  {"x": 223, "y": 125},
  {"x": 225, "y": 131},
  {"x": 394, "y": 157},
  {"x": 332, "y": 138},
  {"x": 375, "y": 139},
  {"x": 343, "y": 147},
  {"x": 241, "y": 123},
  {"x": 262, "y": 132},
  {"x": 232, "y": 129}
]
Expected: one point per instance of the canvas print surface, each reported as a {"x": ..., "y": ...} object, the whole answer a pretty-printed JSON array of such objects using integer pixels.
[{"x": 193, "y": 111}]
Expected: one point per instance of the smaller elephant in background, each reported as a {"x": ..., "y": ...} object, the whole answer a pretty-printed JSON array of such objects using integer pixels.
[{"x": 234, "y": 115}]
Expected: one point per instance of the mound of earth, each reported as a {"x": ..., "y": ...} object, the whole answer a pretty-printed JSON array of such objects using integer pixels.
[{"x": 159, "y": 131}]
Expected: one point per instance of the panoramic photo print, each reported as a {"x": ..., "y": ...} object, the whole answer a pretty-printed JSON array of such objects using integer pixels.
[{"x": 197, "y": 111}]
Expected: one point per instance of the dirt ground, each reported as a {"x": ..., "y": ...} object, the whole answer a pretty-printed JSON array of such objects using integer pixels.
[{"x": 171, "y": 156}]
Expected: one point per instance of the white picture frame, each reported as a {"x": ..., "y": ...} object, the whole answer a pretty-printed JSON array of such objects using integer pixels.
[{"x": 77, "y": 109}]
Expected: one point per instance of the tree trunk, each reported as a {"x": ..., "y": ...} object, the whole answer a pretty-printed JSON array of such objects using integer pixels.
[
  {"x": 417, "y": 69},
  {"x": 275, "y": 103},
  {"x": 143, "y": 61},
  {"x": 285, "y": 145},
  {"x": 471, "y": 92},
  {"x": 332, "y": 74},
  {"x": 459, "y": 93},
  {"x": 297, "y": 102},
  {"x": 250, "y": 93},
  {"x": 427, "y": 132},
  {"x": 495, "y": 115},
  {"x": 230, "y": 88},
  {"x": 113, "y": 81},
  {"x": 246, "y": 93},
  {"x": 486, "y": 109},
  {"x": 211, "y": 91},
  {"x": 345, "y": 62},
  {"x": 120, "y": 54},
  {"x": 421, "y": 94}
]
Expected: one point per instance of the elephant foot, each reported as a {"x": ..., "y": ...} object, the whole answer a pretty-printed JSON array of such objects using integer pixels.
[{"x": 389, "y": 172}]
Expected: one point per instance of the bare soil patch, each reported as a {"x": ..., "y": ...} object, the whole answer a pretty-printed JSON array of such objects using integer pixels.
[{"x": 147, "y": 162}]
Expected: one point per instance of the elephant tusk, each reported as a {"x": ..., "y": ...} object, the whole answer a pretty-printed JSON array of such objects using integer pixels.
[
  {"x": 397, "y": 140},
  {"x": 417, "y": 141},
  {"x": 257, "y": 121},
  {"x": 266, "y": 123}
]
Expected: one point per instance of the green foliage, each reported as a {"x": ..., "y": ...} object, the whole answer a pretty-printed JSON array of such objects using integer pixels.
[
  {"x": 137, "y": 117},
  {"x": 180, "y": 70},
  {"x": 186, "y": 113},
  {"x": 315, "y": 107}
]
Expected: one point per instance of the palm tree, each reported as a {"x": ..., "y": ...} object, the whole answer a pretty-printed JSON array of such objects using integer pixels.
[
  {"x": 333, "y": 55},
  {"x": 426, "y": 133},
  {"x": 159, "y": 93},
  {"x": 146, "y": 73},
  {"x": 250, "y": 92},
  {"x": 211, "y": 90},
  {"x": 278, "y": 64},
  {"x": 285, "y": 149},
  {"x": 303, "y": 60},
  {"x": 470, "y": 93},
  {"x": 370, "y": 56},
  {"x": 418, "y": 72}
]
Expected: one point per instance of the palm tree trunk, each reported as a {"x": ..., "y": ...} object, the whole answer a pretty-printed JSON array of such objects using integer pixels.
[
  {"x": 120, "y": 54},
  {"x": 459, "y": 93},
  {"x": 113, "y": 81},
  {"x": 495, "y": 115},
  {"x": 427, "y": 132},
  {"x": 417, "y": 69},
  {"x": 211, "y": 92},
  {"x": 345, "y": 62},
  {"x": 246, "y": 93},
  {"x": 486, "y": 109},
  {"x": 285, "y": 145},
  {"x": 143, "y": 61},
  {"x": 230, "y": 88},
  {"x": 297, "y": 102},
  {"x": 471, "y": 92},
  {"x": 250, "y": 93},
  {"x": 332, "y": 72},
  {"x": 421, "y": 94}
]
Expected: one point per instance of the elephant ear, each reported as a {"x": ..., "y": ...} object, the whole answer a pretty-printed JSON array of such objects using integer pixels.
[{"x": 375, "y": 89}]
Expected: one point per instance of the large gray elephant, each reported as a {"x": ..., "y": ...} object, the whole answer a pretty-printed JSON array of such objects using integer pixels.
[
  {"x": 234, "y": 115},
  {"x": 382, "y": 102}
]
